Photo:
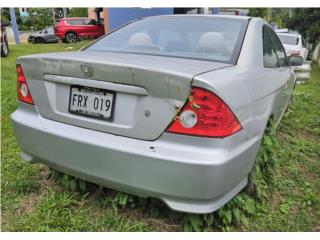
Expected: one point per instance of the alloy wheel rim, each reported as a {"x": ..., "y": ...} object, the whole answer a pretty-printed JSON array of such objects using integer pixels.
[{"x": 71, "y": 37}]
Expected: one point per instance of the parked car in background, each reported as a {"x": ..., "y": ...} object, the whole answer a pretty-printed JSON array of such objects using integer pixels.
[
  {"x": 295, "y": 45},
  {"x": 4, "y": 40},
  {"x": 316, "y": 54},
  {"x": 72, "y": 29},
  {"x": 171, "y": 107},
  {"x": 45, "y": 35}
]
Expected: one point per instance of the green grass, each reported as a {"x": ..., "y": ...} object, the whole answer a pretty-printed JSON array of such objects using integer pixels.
[
  {"x": 31, "y": 201},
  {"x": 295, "y": 204}
]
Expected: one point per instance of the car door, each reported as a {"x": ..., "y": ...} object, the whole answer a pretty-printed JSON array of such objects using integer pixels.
[
  {"x": 277, "y": 69},
  {"x": 76, "y": 26},
  {"x": 284, "y": 67},
  {"x": 91, "y": 27},
  {"x": 50, "y": 36}
]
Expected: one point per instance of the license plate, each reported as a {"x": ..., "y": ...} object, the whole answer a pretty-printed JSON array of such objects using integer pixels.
[{"x": 92, "y": 102}]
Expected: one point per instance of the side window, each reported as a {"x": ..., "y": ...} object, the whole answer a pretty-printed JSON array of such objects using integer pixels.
[
  {"x": 75, "y": 22},
  {"x": 88, "y": 22},
  {"x": 79, "y": 22},
  {"x": 50, "y": 30},
  {"x": 282, "y": 58},
  {"x": 270, "y": 59},
  {"x": 91, "y": 22}
]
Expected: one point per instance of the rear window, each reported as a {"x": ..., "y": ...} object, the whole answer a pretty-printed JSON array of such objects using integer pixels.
[
  {"x": 208, "y": 38},
  {"x": 50, "y": 30},
  {"x": 89, "y": 22},
  {"x": 289, "y": 40}
]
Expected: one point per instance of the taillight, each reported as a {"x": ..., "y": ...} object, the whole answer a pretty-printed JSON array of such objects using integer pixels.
[
  {"x": 205, "y": 114},
  {"x": 294, "y": 53},
  {"x": 24, "y": 94}
]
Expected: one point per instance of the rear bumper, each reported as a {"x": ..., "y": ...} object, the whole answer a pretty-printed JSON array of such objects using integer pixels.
[
  {"x": 186, "y": 178},
  {"x": 303, "y": 72}
]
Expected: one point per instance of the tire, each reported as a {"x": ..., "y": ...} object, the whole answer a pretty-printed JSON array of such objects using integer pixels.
[
  {"x": 4, "y": 49},
  {"x": 70, "y": 37},
  {"x": 38, "y": 40},
  {"x": 251, "y": 188}
]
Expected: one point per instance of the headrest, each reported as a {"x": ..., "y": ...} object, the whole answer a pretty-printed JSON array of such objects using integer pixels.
[
  {"x": 140, "y": 39},
  {"x": 211, "y": 41}
]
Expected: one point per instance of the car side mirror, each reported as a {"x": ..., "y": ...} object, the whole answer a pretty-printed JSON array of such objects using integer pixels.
[{"x": 296, "y": 60}]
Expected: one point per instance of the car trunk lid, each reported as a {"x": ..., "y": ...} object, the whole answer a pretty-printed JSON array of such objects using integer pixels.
[{"x": 149, "y": 90}]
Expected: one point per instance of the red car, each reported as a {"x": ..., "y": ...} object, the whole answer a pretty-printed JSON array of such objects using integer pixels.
[{"x": 72, "y": 29}]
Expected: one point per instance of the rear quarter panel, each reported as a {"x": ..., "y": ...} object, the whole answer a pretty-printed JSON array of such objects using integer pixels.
[{"x": 253, "y": 92}]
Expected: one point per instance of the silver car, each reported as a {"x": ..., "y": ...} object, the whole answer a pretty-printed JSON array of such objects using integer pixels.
[{"x": 170, "y": 107}]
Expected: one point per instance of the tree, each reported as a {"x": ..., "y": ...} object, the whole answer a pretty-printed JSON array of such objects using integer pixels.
[
  {"x": 307, "y": 22},
  {"x": 258, "y": 12},
  {"x": 5, "y": 15},
  {"x": 39, "y": 18},
  {"x": 279, "y": 16},
  {"x": 78, "y": 12}
]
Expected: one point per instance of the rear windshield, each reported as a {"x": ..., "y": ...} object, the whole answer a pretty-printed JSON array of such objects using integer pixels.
[
  {"x": 289, "y": 40},
  {"x": 200, "y": 37}
]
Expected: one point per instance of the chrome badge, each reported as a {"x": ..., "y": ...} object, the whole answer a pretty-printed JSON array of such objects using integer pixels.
[{"x": 86, "y": 70}]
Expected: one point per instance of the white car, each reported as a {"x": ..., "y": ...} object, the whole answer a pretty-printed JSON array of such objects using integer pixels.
[
  {"x": 316, "y": 54},
  {"x": 295, "y": 45}
]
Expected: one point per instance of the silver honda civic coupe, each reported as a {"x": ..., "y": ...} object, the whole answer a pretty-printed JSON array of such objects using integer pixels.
[{"x": 170, "y": 107}]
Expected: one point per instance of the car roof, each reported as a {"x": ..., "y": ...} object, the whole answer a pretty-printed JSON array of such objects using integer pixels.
[
  {"x": 75, "y": 18},
  {"x": 286, "y": 31},
  {"x": 289, "y": 34},
  {"x": 200, "y": 15}
]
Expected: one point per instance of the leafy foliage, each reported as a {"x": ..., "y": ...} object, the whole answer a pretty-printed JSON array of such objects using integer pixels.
[
  {"x": 307, "y": 22},
  {"x": 40, "y": 18},
  {"x": 258, "y": 12},
  {"x": 244, "y": 205},
  {"x": 78, "y": 12}
]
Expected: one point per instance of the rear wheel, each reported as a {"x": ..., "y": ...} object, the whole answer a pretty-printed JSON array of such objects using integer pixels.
[
  {"x": 4, "y": 49},
  {"x": 70, "y": 37},
  {"x": 251, "y": 188},
  {"x": 265, "y": 164},
  {"x": 38, "y": 40}
]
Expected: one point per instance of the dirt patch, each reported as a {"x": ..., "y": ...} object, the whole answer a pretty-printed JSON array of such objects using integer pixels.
[
  {"x": 28, "y": 204},
  {"x": 158, "y": 225},
  {"x": 43, "y": 178}
]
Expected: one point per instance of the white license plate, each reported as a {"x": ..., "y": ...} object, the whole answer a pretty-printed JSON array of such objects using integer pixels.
[{"x": 92, "y": 102}]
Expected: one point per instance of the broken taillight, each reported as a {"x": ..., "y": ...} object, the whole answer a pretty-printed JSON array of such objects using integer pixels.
[
  {"x": 294, "y": 53},
  {"x": 205, "y": 114}
]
